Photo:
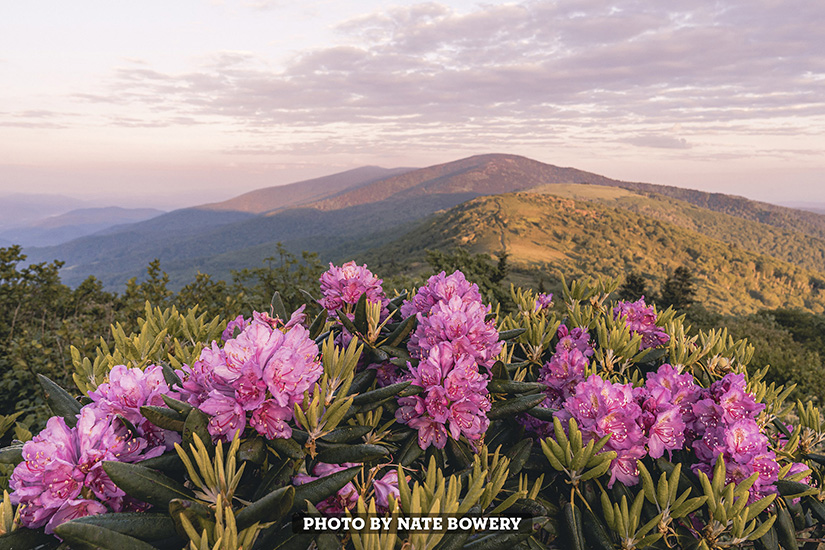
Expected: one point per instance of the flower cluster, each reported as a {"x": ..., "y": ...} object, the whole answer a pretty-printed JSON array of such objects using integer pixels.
[
  {"x": 669, "y": 413},
  {"x": 61, "y": 476},
  {"x": 343, "y": 286},
  {"x": 561, "y": 374},
  {"x": 257, "y": 377},
  {"x": 543, "y": 302},
  {"x": 725, "y": 424},
  {"x": 440, "y": 288},
  {"x": 452, "y": 341},
  {"x": 641, "y": 319}
]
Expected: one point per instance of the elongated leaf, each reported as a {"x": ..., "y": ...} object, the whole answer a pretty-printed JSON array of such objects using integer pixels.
[
  {"x": 404, "y": 328},
  {"x": 352, "y": 453},
  {"x": 286, "y": 447},
  {"x": 170, "y": 376},
  {"x": 362, "y": 381},
  {"x": 277, "y": 307},
  {"x": 511, "y": 334},
  {"x": 595, "y": 532},
  {"x": 511, "y": 386},
  {"x": 60, "y": 401},
  {"x": 346, "y": 434},
  {"x": 318, "y": 324},
  {"x": 410, "y": 452},
  {"x": 197, "y": 422},
  {"x": 794, "y": 489},
  {"x": 573, "y": 523},
  {"x": 318, "y": 490},
  {"x": 360, "y": 317},
  {"x": 785, "y": 529},
  {"x": 380, "y": 393},
  {"x": 94, "y": 536},
  {"x": 518, "y": 455},
  {"x": 176, "y": 405},
  {"x": 167, "y": 462},
  {"x": 514, "y": 406},
  {"x": 24, "y": 539},
  {"x": 163, "y": 418},
  {"x": 768, "y": 541},
  {"x": 542, "y": 413},
  {"x": 146, "y": 485},
  {"x": 141, "y": 525},
  {"x": 13, "y": 454},
  {"x": 272, "y": 507}
]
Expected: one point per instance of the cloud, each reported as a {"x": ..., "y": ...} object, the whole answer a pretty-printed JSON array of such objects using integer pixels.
[
  {"x": 533, "y": 70},
  {"x": 659, "y": 142}
]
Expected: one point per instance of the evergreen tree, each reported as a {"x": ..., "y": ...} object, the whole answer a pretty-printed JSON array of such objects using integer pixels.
[
  {"x": 679, "y": 289},
  {"x": 633, "y": 288}
]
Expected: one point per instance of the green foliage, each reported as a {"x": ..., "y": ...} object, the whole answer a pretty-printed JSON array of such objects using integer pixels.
[
  {"x": 163, "y": 337},
  {"x": 678, "y": 290}
]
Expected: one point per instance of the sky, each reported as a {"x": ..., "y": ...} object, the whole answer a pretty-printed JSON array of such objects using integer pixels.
[{"x": 170, "y": 104}]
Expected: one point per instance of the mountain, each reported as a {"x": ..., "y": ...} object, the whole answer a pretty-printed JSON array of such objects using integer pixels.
[
  {"x": 23, "y": 208},
  {"x": 279, "y": 197},
  {"x": 344, "y": 215},
  {"x": 548, "y": 237},
  {"x": 73, "y": 224}
]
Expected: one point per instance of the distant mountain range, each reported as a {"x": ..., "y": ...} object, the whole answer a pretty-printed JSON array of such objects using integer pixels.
[
  {"x": 71, "y": 225},
  {"x": 557, "y": 220}
]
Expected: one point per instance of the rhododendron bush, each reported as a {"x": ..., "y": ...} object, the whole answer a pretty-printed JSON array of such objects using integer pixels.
[{"x": 605, "y": 424}]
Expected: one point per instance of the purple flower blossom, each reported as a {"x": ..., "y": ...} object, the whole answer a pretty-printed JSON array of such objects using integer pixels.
[
  {"x": 575, "y": 338},
  {"x": 257, "y": 377},
  {"x": 61, "y": 476},
  {"x": 543, "y": 302},
  {"x": 440, "y": 288},
  {"x": 641, "y": 319},
  {"x": 343, "y": 286},
  {"x": 234, "y": 326}
]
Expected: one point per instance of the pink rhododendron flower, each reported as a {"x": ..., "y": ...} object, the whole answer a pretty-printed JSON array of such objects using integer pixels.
[
  {"x": 641, "y": 319},
  {"x": 256, "y": 378},
  {"x": 440, "y": 288},
  {"x": 345, "y": 499},
  {"x": 343, "y": 286}
]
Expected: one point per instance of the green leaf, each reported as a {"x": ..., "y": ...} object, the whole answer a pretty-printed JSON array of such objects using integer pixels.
[
  {"x": 141, "y": 525},
  {"x": 163, "y": 417},
  {"x": 511, "y": 386},
  {"x": 176, "y": 405},
  {"x": 277, "y": 307},
  {"x": 167, "y": 462},
  {"x": 794, "y": 489},
  {"x": 542, "y": 413},
  {"x": 197, "y": 422},
  {"x": 511, "y": 407},
  {"x": 410, "y": 452},
  {"x": 595, "y": 532},
  {"x": 768, "y": 541},
  {"x": 346, "y": 434},
  {"x": 60, "y": 401},
  {"x": 286, "y": 447},
  {"x": 170, "y": 376},
  {"x": 360, "y": 317},
  {"x": 518, "y": 456},
  {"x": 573, "y": 524},
  {"x": 146, "y": 485},
  {"x": 362, "y": 381},
  {"x": 380, "y": 393},
  {"x": 511, "y": 334},
  {"x": 318, "y": 324},
  {"x": 400, "y": 332},
  {"x": 272, "y": 507},
  {"x": 13, "y": 454},
  {"x": 785, "y": 529},
  {"x": 100, "y": 538},
  {"x": 24, "y": 539},
  {"x": 320, "y": 489},
  {"x": 352, "y": 453}
]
